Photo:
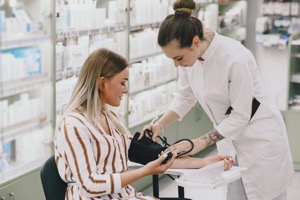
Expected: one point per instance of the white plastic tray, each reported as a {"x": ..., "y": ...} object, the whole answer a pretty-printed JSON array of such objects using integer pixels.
[{"x": 228, "y": 176}]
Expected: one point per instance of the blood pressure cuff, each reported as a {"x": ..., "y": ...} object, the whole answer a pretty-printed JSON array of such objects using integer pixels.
[{"x": 255, "y": 105}]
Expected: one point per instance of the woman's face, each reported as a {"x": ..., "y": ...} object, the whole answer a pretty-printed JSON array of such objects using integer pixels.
[
  {"x": 182, "y": 57},
  {"x": 112, "y": 89}
]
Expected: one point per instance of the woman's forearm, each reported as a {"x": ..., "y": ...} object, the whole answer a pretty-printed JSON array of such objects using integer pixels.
[
  {"x": 168, "y": 118},
  {"x": 206, "y": 140},
  {"x": 188, "y": 163},
  {"x": 129, "y": 177}
]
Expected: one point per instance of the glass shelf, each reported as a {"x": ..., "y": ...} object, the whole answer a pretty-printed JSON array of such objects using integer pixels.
[
  {"x": 143, "y": 26},
  {"x": 73, "y": 32},
  {"x": 151, "y": 86},
  {"x": 23, "y": 85},
  {"x": 9, "y": 42},
  {"x": 139, "y": 59},
  {"x": 26, "y": 90},
  {"x": 12, "y": 131}
]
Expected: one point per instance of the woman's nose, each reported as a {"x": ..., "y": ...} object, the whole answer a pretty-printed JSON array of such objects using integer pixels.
[
  {"x": 125, "y": 90},
  {"x": 177, "y": 63}
]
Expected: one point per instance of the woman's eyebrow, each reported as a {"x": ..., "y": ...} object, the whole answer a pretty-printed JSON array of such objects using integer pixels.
[{"x": 176, "y": 57}]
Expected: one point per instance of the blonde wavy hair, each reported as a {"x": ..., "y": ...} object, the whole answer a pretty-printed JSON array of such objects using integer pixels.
[{"x": 85, "y": 97}]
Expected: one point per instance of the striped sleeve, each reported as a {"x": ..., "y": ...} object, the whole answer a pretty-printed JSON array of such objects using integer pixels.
[{"x": 75, "y": 141}]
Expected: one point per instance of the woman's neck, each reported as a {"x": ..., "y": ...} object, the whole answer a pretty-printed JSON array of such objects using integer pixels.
[{"x": 208, "y": 37}]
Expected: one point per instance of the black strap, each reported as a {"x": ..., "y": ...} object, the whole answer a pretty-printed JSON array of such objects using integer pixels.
[
  {"x": 255, "y": 105},
  {"x": 166, "y": 144}
]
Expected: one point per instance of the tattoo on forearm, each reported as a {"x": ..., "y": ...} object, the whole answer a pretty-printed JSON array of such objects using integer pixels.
[{"x": 212, "y": 137}]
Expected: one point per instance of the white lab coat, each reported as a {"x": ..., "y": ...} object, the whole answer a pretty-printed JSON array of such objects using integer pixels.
[{"x": 228, "y": 76}]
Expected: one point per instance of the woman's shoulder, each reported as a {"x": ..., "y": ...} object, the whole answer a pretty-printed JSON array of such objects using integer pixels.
[{"x": 75, "y": 118}]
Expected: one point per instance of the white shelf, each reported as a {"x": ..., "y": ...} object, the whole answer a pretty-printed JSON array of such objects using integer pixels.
[
  {"x": 23, "y": 85},
  {"x": 151, "y": 86},
  {"x": 143, "y": 26},
  {"x": 8, "y": 42},
  {"x": 139, "y": 59},
  {"x": 13, "y": 131},
  {"x": 73, "y": 32}
]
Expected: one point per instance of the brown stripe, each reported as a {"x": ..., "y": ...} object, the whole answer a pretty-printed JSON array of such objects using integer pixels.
[
  {"x": 98, "y": 144},
  {"x": 112, "y": 183},
  {"x": 93, "y": 136},
  {"x": 124, "y": 164},
  {"x": 107, "y": 156},
  {"x": 114, "y": 159},
  {"x": 76, "y": 164},
  {"x": 122, "y": 138},
  {"x": 84, "y": 150}
]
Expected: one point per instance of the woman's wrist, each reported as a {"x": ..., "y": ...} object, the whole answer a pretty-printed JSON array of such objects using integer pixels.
[{"x": 160, "y": 126}]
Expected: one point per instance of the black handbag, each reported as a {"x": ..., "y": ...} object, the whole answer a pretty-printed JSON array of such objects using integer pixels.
[{"x": 145, "y": 150}]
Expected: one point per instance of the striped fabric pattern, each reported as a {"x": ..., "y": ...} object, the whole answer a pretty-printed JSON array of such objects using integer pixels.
[{"x": 91, "y": 161}]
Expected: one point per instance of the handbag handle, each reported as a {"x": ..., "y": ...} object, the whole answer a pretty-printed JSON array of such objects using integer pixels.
[{"x": 166, "y": 144}]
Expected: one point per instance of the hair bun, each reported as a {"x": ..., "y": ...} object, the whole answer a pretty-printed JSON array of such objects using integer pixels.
[
  {"x": 183, "y": 11},
  {"x": 184, "y": 7}
]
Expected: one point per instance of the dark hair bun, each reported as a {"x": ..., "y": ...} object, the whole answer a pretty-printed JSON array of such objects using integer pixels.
[{"x": 184, "y": 6}]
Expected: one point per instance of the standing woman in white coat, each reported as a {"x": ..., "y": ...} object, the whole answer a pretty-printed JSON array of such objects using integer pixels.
[{"x": 221, "y": 74}]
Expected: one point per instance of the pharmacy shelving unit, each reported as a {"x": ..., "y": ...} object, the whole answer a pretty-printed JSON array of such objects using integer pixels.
[
  {"x": 292, "y": 115},
  {"x": 82, "y": 27},
  {"x": 232, "y": 19},
  {"x": 26, "y": 96},
  {"x": 152, "y": 75},
  {"x": 228, "y": 18},
  {"x": 278, "y": 34},
  {"x": 278, "y": 22}
]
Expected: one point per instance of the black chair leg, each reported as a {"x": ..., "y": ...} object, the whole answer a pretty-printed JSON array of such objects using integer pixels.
[
  {"x": 180, "y": 191},
  {"x": 155, "y": 185}
]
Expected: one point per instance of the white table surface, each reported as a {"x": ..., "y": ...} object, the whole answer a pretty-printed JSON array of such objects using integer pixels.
[{"x": 228, "y": 176}]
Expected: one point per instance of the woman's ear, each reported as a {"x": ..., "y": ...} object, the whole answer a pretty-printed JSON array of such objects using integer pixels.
[
  {"x": 101, "y": 82},
  {"x": 196, "y": 41}
]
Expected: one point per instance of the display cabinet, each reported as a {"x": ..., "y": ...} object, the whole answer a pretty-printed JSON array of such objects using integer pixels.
[
  {"x": 292, "y": 115},
  {"x": 278, "y": 37},
  {"x": 82, "y": 27},
  {"x": 26, "y": 89},
  {"x": 228, "y": 18},
  {"x": 232, "y": 19},
  {"x": 292, "y": 118},
  {"x": 276, "y": 27},
  {"x": 278, "y": 21},
  {"x": 294, "y": 79},
  {"x": 152, "y": 80}
]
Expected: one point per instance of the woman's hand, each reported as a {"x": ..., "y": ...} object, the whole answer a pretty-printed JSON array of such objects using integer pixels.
[
  {"x": 228, "y": 160},
  {"x": 156, "y": 166},
  {"x": 154, "y": 128},
  {"x": 179, "y": 147}
]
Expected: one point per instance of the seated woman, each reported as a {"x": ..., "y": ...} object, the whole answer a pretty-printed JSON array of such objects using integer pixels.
[{"x": 91, "y": 144}]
